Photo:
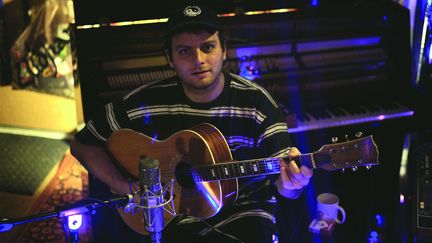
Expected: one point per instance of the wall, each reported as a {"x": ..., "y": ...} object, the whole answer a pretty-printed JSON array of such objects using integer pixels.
[{"x": 33, "y": 110}]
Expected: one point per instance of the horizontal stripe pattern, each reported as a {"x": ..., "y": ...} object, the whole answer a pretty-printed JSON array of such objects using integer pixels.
[{"x": 245, "y": 113}]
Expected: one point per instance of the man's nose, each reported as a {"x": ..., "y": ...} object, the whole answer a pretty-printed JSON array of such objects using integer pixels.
[{"x": 198, "y": 56}]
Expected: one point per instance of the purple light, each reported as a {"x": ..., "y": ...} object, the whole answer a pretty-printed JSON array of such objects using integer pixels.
[
  {"x": 381, "y": 117},
  {"x": 275, "y": 239},
  {"x": 401, "y": 199},
  {"x": 154, "y": 138}
]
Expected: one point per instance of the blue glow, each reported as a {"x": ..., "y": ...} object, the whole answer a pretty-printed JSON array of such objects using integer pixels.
[
  {"x": 375, "y": 124},
  {"x": 249, "y": 67},
  {"x": 314, "y": 3},
  {"x": 147, "y": 119},
  {"x": 430, "y": 52},
  {"x": 373, "y": 237},
  {"x": 269, "y": 166},
  {"x": 307, "y": 126},
  {"x": 337, "y": 44},
  {"x": 379, "y": 220},
  {"x": 385, "y": 17},
  {"x": 275, "y": 238},
  {"x": 211, "y": 200},
  {"x": 154, "y": 138},
  {"x": 74, "y": 221}
]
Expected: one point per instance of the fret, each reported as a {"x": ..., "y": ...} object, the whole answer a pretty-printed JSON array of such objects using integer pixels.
[
  {"x": 268, "y": 165},
  {"x": 220, "y": 171},
  {"x": 236, "y": 169},
  {"x": 231, "y": 170},
  {"x": 264, "y": 165},
  {"x": 248, "y": 166},
  {"x": 204, "y": 173},
  {"x": 307, "y": 160}
]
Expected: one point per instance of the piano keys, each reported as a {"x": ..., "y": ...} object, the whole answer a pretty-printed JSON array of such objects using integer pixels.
[{"x": 345, "y": 115}]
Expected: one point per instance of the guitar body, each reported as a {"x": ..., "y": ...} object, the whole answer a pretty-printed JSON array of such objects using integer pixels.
[{"x": 200, "y": 145}]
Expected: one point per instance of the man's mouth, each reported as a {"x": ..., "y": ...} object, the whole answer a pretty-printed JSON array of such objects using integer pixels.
[{"x": 198, "y": 72}]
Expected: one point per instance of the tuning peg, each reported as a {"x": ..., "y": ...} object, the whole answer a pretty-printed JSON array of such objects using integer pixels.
[
  {"x": 354, "y": 168},
  {"x": 346, "y": 137},
  {"x": 343, "y": 170},
  {"x": 334, "y": 139},
  {"x": 358, "y": 134},
  {"x": 368, "y": 167}
]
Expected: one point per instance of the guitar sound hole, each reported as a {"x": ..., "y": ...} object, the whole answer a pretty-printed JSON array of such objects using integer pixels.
[{"x": 183, "y": 174}]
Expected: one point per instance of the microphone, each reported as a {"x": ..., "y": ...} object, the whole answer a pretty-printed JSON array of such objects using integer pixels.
[{"x": 152, "y": 197}]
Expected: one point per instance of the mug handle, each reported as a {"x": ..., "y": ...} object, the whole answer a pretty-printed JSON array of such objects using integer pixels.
[{"x": 342, "y": 220}]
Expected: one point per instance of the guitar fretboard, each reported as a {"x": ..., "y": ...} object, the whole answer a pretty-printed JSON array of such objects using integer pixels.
[{"x": 245, "y": 168}]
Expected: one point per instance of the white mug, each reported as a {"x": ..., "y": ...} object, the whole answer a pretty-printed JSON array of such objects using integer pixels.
[{"x": 328, "y": 208}]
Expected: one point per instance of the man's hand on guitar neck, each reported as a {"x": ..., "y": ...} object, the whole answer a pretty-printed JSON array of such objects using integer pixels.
[{"x": 292, "y": 179}]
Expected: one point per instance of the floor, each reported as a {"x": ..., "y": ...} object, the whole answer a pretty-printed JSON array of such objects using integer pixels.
[{"x": 38, "y": 177}]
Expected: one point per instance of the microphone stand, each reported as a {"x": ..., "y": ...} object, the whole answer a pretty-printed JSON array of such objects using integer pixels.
[{"x": 72, "y": 211}]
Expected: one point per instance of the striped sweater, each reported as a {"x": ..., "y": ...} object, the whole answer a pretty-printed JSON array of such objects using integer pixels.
[{"x": 244, "y": 112}]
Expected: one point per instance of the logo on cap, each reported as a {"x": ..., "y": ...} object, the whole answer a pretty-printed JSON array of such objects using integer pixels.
[{"x": 192, "y": 11}]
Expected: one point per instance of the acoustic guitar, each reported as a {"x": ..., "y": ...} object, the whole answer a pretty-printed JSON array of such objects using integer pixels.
[{"x": 200, "y": 163}]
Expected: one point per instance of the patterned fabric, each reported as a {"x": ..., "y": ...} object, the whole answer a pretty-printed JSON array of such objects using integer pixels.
[
  {"x": 245, "y": 113},
  {"x": 68, "y": 186}
]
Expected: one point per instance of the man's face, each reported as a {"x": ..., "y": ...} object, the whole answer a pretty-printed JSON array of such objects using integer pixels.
[{"x": 198, "y": 59}]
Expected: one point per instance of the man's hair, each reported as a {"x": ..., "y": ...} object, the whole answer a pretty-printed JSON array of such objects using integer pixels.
[{"x": 197, "y": 29}]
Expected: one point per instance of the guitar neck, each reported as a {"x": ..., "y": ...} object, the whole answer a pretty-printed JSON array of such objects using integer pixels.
[{"x": 245, "y": 168}]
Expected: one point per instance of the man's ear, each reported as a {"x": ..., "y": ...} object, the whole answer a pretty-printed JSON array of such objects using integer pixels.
[{"x": 168, "y": 59}]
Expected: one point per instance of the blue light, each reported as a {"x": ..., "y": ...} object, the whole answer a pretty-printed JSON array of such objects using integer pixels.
[
  {"x": 154, "y": 138},
  {"x": 74, "y": 222},
  {"x": 373, "y": 237},
  {"x": 314, "y": 3},
  {"x": 275, "y": 239},
  {"x": 249, "y": 67},
  {"x": 269, "y": 166},
  {"x": 379, "y": 220},
  {"x": 385, "y": 17},
  {"x": 147, "y": 119},
  {"x": 210, "y": 199},
  {"x": 430, "y": 52}
]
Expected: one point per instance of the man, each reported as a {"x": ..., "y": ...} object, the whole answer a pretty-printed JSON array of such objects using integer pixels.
[{"x": 202, "y": 92}]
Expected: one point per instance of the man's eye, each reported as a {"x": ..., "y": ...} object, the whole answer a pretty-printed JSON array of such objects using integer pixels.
[
  {"x": 183, "y": 51},
  {"x": 208, "y": 48}
]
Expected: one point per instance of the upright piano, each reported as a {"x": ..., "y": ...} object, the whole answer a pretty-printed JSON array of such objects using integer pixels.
[{"x": 334, "y": 69}]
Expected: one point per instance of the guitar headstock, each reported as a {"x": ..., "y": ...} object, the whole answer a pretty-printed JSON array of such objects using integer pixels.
[{"x": 350, "y": 154}]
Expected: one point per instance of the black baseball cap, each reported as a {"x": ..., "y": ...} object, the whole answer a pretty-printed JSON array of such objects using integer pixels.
[{"x": 192, "y": 14}]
